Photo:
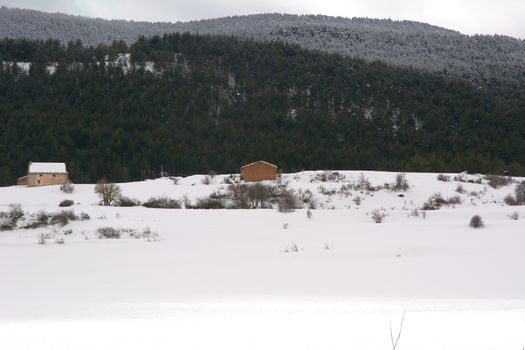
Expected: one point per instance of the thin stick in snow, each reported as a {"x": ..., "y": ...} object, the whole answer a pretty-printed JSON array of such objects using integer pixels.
[{"x": 394, "y": 343}]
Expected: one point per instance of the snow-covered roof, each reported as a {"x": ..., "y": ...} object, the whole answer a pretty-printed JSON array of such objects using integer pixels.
[{"x": 47, "y": 168}]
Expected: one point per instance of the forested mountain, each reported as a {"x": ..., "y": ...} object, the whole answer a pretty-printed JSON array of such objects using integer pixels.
[
  {"x": 482, "y": 59},
  {"x": 188, "y": 104}
]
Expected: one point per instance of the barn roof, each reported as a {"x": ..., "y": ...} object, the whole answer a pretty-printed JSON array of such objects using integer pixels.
[
  {"x": 259, "y": 162},
  {"x": 55, "y": 168}
]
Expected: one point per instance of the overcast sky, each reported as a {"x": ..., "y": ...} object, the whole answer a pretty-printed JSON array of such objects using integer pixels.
[{"x": 467, "y": 16}]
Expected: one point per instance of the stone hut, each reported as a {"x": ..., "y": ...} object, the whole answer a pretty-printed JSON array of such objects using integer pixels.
[
  {"x": 259, "y": 171},
  {"x": 44, "y": 174}
]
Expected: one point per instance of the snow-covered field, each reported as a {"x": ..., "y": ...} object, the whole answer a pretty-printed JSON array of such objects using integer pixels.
[{"x": 231, "y": 278}]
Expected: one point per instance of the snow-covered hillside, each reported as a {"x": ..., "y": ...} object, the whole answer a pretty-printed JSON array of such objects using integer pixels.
[
  {"x": 480, "y": 58},
  {"x": 264, "y": 279}
]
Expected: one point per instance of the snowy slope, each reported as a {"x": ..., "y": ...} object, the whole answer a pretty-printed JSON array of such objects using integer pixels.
[{"x": 229, "y": 279}]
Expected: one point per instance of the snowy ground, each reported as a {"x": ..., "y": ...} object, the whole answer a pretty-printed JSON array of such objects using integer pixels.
[{"x": 229, "y": 279}]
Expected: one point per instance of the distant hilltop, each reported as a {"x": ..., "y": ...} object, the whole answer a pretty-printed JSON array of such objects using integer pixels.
[{"x": 479, "y": 58}]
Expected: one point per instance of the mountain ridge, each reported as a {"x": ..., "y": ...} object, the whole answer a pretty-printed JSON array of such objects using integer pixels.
[{"x": 482, "y": 59}]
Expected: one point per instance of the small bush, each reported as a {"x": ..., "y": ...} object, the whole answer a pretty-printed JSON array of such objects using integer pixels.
[
  {"x": 108, "y": 233},
  {"x": 328, "y": 176},
  {"x": 288, "y": 202},
  {"x": 292, "y": 249},
  {"x": 519, "y": 192},
  {"x": 206, "y": 180},
  {"x": 84, "y": 216},
  {"x": 146, "y": 233},
  {"x": 436, "y": 201},
  {"x": 244, "y": 196},
  {"x": 67, "y": 188},
  {"x": 497, "y": 181},
  {"x": 9, "y": 220},
  {"x": 378, "y": 215},
  {"x": 363, "y": 183},
  {"x": 60, "y": 240},
  {"x": 444, "y": 178},
  {"x": 162, "y": 203},
  {"x": 40, "y": 219},
  {"x": 15, "y": 213},
  {"x": 62, "y": 218},
  {"x": 510, "y": 200},
  {"x": 514, "y": 216},
  {"x": 453, "y": 200},
  {"x": 401, "y": 183},
  {"x": 309, "y": 213},
  {"x": 209, "y": 203},
  {"x": 476, "y": 222},
  {"x": 66, "y": 203},
  {"x": 124, "y": 201},
  {"x": 460, "y": 189}
]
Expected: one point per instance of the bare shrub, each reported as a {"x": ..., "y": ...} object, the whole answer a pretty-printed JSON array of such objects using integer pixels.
[
  {"x": 436, "y": 201},
  {"x": 231, "y": 179},
  {"x": 378, "y": 215},
  {"x": 84, "y": 216},
  {"x": 66, "y": 203},
  {"x": 206, "y": 180},
  {"x": 292, "y": 248},
  {"x": 510, "y": 200},
  {"x": 60, "y": 240},
  {"x": 107, "y": 192},
  {"x": 358, "y": 200},
  {"x": 453, "y": 200},
  {"x": 40, "y": 219},
  {"x": 415, "y": 212},
  {"x": 124, "y": 201},
  {"x": 261, "y": 195},
  {"x": 497, "y": 181},
  {"x": 476, "y": 222},
  {"x": 460, "y": 189},
  {"x": 514, "y": 216},
  {"x": 146, "y": 233},
  {"x": 328, "y": 176},
  {"x": 9, "y": 220},
  {"x": 209, "y": 203},
  {"x": 109, "y": 233},
  {"x": 254, "y": 196},
  {"x": 285, "y": 226},
  {"x": 444, "y": 178},
  {"x": 42, "y": 239},
  {"x": 401, "y": 183},
  {"x": 326, "y": 192},
  {"x": 63, "y": 217},
  {"x": 309, "y": 213},
  {"x": 519, "y": 192},
  {"x": 162, "y": 203},
  {"x": 288, "y": 201},
  {"x": 363, "y": 183},
  {"x": 67, "y": 188}
]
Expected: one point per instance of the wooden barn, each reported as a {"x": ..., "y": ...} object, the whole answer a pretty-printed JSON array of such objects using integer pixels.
[
  {"x": 44, "y": 174},
  {"x": 259, "y": 171}
]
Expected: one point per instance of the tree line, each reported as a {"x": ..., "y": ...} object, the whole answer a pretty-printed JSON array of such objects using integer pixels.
[{"x": 216, "y": 102}]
